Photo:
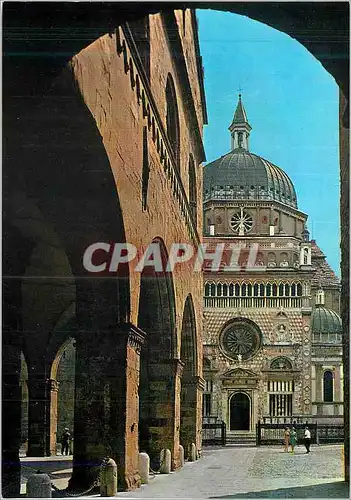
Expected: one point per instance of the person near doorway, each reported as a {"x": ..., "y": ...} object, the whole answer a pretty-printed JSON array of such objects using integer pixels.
[
  {"x": 293, "y": 439},
  {"x": 307, "y": 439},
  {"x": 65, "y": 441},
  {"x": 286, "y": 439}
]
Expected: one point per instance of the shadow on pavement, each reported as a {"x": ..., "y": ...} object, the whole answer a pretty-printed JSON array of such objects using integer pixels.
[{"x": 338, "y": 489}]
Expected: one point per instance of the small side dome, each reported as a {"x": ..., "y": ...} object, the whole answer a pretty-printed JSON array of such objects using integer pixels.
[{"x": 325, "y": 321}]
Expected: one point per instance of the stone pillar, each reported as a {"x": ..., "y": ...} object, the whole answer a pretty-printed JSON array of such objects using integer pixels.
[
  {"x": 107, "y": 405},
  {"x": 164, "y": 416},
  {"x": 191, "y": 412},
  {"x": 37, "y": 413},
  {"x": 11, "y": 418},
  {"x": 53, "y": 387}
]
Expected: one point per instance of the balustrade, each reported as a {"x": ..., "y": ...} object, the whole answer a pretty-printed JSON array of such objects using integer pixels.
[{"x": 253, "y": 302}]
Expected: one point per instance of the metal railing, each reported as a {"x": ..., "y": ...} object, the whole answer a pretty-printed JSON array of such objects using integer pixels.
[
  {"x": 214, "y": 432},
  {"x": 273, "y": 433}
]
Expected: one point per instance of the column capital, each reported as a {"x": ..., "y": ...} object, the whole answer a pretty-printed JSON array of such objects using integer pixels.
[
  {"x": 53, "y": 385},
  {"x": 194, "y": 381},
  {"x": 178, "y": 366},
  {"x": 133, "y": 335}
]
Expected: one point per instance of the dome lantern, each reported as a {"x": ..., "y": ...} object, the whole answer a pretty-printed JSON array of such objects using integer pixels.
[{"x": 240, "y": 128}]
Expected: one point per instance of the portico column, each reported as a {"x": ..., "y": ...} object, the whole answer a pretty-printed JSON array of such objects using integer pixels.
[
  {"x": 191, "y": 411},
  {"x": 53, "y": 387},
  {"x": 107, "y": 405},
  {"x": 164, "y": 394}
]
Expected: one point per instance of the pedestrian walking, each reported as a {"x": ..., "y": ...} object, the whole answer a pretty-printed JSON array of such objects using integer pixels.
[
  {"x": 65, "y": 441},
  {"x": 307, "y": 439},
  {"x": 293, "y": 439},
  {"x": 286, "y": 439}
]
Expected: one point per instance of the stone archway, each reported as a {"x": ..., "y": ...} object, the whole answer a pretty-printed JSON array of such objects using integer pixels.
[
  {"x": 240, "y": 412},
  {"x": 61, "y": 393}
]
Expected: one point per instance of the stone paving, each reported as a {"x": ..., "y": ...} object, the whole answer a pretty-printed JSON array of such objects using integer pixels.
[
  {"x": 239, "y": 472},
  {"x": 250, "y": 472}
]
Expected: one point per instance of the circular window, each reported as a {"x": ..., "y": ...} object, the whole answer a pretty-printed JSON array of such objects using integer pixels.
[
  {"x": 241, "y": 222},
  {"x": 241, "y": 338}
]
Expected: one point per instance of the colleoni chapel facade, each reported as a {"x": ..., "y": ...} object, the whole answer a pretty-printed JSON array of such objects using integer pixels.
[{"x": 272, "y": 330}]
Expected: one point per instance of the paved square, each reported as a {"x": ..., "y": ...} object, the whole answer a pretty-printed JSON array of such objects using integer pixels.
[
  {"x": 231, "y": 472},
  {"x": 253, "y": 472}
]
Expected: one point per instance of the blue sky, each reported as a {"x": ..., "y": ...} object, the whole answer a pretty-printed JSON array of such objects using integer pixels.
[{"x": 292, "y": 106}]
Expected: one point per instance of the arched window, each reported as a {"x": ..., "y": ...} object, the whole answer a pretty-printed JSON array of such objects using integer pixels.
[
  {"x": 192, "y": 189},
  {"x": 231, "y": 290},
  {"x": 262, "y": 290},
  {"x": 207, "y": 290},
  {"x": 172, "y": 119},
  {"x": 249, "y": 290},
  {"x": 299, "y": 290},
  {"x": 268, "y": 289},
  {"x": 328, "y": 387},
  {"x": 293, "y": 290},
  {"x": 237, "y": 290},
  {"x": 213, "y": 290},
  {"x": 255, "y": 290},
  {"x": 281, "y": 290},
  {"x": 219, "y": 290},
  {"x": 225, "y": 290},
  {"x": 287, "y": 290},
  {"x": 274, "y": 290},
  {"x": 243, "y": 290}
]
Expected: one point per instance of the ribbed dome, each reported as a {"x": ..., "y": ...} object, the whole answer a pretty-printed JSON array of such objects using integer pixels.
[
  {"x": 241, "y": 175},
  {"x": 325, "y": 321}
]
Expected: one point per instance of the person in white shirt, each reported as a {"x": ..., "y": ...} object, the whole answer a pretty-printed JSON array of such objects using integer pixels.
[{"x": 307, "y": 439}]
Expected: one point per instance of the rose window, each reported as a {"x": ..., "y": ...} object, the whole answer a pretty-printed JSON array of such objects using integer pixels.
[
  {"x": 241, "y": 338},
  {"x": 241, "y": 222}
]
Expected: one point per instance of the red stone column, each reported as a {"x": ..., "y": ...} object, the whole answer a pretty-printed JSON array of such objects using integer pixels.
[
  {"x": 107, "y": 405},
  {"x": 53, "y": 387},
  {"x": 164, "y": 416}
]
